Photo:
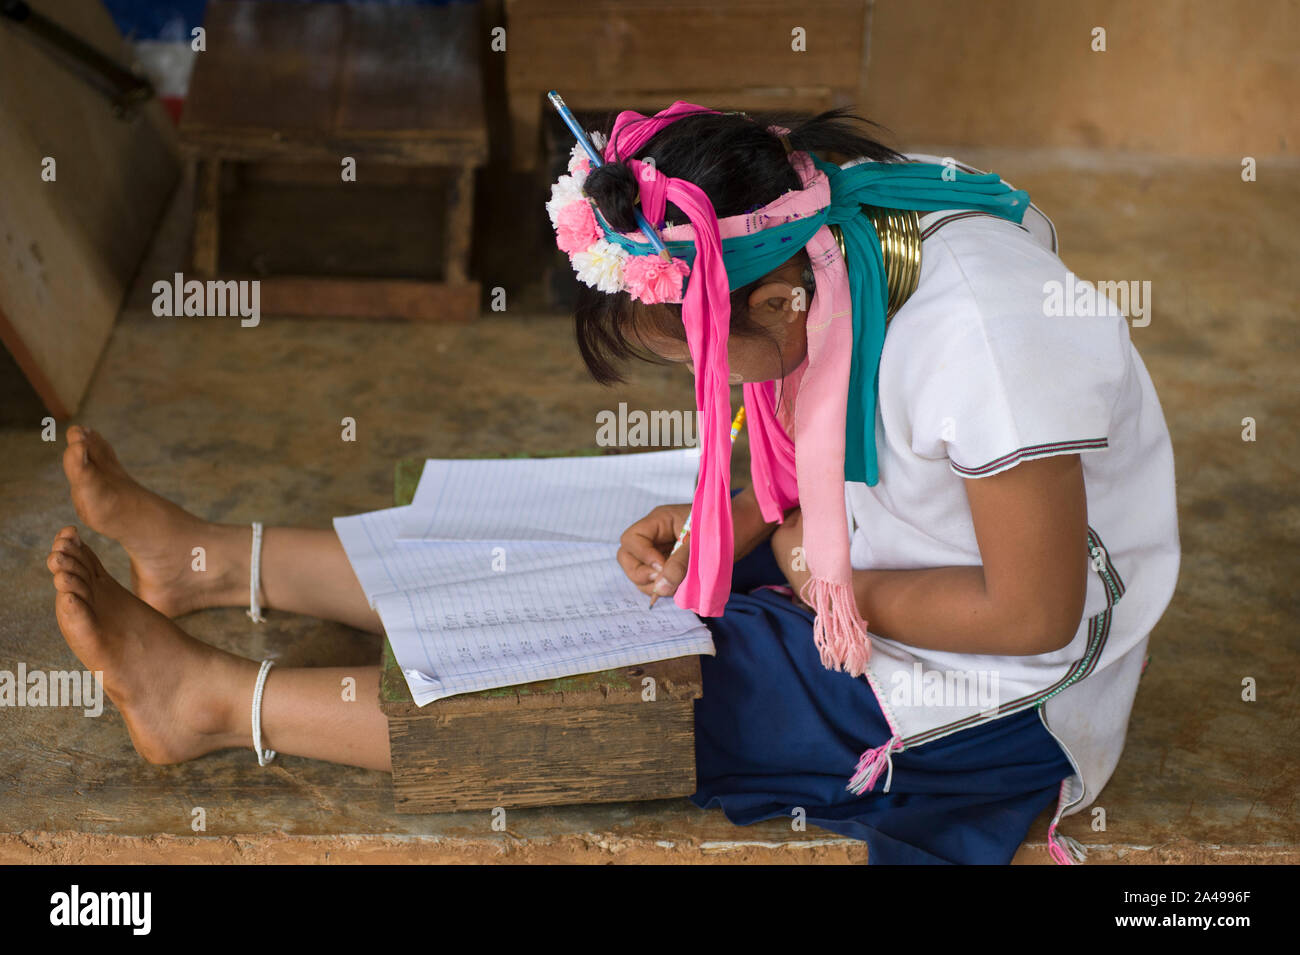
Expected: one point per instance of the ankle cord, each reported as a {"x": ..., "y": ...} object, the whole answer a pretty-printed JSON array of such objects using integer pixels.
[
  {"x": 254, "y": 575},
  {"x": 263, "y": 756}
]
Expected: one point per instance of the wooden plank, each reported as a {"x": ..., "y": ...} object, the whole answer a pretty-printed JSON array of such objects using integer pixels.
[
  {"x": 312, "y": 296},
  {"x": 527, "y": 106},
  {"x": 615, "y": 54},
  {"x": 358, "y": 230},
  {"x": 207, "y": 217},
  {"x": 1197, "y": 78},
  {"x": 595, "y": 754},
  {"x": 30, "y": 366},
  {"x": 677, "y": 44},
  {"x": 248, "y": 143},
  {"x": 279, "y": 172},
  {"x": 317, "y": 82},
  {"x": 71, "y": 246},
  {"x": 267, "y": 65},
  {"x": 675, "y": 680},
  {"x": 460, "y": 226},
  {"x": 803, "y": 99},
  {"x": 411, "y": 68}
]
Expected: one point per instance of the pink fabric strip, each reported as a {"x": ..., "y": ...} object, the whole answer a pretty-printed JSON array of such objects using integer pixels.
[
  {"x": 632, "y": 130},
  {"x": 654, "y": 190},
  {"x": 839, "y": 631},
  {"x": 706, "y": 310},
  {"x": 708, "y": 579},
  {"x": 771, "y": 453}
]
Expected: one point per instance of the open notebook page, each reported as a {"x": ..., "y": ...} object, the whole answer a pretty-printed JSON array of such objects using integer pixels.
[
  {"x": 526, "y": 603},
  {"x": 547, "y": 499}
]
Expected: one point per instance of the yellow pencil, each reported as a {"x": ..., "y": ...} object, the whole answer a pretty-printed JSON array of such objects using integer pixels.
[{"x": 736, "y": 425}]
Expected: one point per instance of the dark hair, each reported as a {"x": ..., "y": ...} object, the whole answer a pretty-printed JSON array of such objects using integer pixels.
[{"x": 741, "y": 167}]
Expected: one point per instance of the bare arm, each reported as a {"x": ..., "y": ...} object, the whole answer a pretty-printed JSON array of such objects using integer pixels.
[{"x": 1026, "y": 598}]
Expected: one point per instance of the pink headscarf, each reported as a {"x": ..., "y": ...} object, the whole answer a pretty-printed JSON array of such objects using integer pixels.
[{"x": 808, "y": 470}]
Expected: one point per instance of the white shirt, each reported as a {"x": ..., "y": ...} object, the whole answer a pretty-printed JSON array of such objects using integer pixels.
[{"x": 975, "y": 377}]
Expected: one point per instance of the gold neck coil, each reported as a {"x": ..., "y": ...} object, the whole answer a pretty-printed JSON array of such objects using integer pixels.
[{"x": 899, "y": 231}]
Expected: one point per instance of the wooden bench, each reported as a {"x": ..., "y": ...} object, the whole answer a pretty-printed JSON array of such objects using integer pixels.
[{"x": 396, "y": 88}]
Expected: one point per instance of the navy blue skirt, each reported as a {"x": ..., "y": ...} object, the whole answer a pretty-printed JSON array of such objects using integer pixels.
[{"x": 776, "y": 730}]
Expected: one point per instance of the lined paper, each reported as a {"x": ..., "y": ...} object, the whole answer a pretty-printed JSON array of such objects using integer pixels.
[
  {"x": 502, "y": 572},
  {"x": 542, "y": 499}
]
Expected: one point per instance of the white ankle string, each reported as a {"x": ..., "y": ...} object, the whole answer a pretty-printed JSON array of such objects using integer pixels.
[
  {"x": 255, "y": 575},
  {"x": 263, "y": 756}
]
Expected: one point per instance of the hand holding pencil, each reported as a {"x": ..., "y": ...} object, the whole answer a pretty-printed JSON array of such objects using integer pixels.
[
  {"x": 641, "y": 549},
  {"x": 648, "y": 551},
  {"x": 686, "y": 529}
]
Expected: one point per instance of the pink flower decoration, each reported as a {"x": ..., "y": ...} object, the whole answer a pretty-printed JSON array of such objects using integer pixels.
[
  {"x": 575, "y": 227},
  {"x": 652, "y": 280}
]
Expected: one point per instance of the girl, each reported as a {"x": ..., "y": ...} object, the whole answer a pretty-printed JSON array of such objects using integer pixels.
[{"x": 983, "y": 484}]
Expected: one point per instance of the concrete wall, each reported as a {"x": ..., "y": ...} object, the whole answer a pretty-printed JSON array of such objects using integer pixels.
[{"x": 1195, "y": 78}]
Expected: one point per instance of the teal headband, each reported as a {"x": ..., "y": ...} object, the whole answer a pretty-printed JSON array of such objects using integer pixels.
[{"x": 913, "y": 186}]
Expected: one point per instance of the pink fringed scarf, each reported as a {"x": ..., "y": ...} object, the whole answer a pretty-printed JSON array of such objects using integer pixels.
[{"x": 807, "y": 471}]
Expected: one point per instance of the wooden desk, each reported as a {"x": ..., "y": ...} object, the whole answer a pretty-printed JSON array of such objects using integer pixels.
[
  {"x": 589, "y": 738},
  {"x": 390, "y": 86}
]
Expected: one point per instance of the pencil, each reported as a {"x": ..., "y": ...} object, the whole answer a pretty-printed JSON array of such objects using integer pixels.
[
  {"x": 736, "y": 425},
  {"x": 596, "y": 160}
]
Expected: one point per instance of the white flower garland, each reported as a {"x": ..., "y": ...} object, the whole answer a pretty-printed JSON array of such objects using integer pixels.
[{"x": 602, "y": 265}]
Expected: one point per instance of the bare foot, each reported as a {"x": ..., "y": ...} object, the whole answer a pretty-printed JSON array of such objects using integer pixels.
[
  {"x": 158, "y": 535},
  {"x": 181, "y": 698}
]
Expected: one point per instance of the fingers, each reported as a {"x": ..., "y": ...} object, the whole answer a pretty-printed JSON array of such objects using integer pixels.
[
  {"x": 638, "y": 555},
  {"x": 641, "y": 552},
  {"x": 674, "y": 571},
  {"x": 637, "y": 570},
  {"x": 644, "y": 547}
]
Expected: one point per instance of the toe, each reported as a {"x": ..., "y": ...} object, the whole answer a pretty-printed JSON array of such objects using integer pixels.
[
  {"x": 68, "y": 533},
  {"x": 68, "y": 583},
  {"x": 76, "y": 459},
  {"x": 73, "y": 610},
  {"x": 65, "y": 562},
  {"x": 100, "y": 449},
  {"x": 90, "y": 560}
]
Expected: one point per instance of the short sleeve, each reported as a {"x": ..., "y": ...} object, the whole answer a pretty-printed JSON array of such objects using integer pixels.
[{"x": 1000, "y": 365}]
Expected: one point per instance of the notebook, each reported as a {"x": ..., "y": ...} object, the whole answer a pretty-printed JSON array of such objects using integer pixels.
[{"x": 502, "y": 572}]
